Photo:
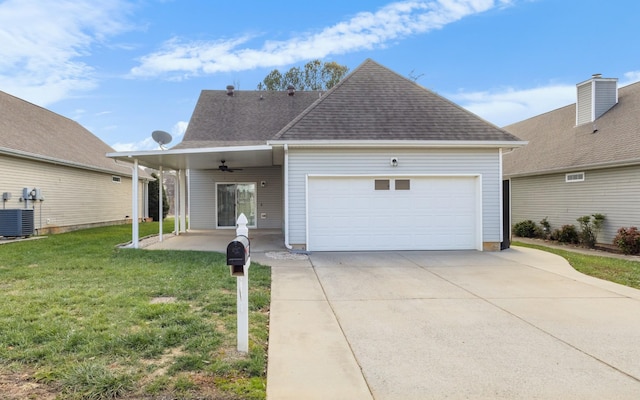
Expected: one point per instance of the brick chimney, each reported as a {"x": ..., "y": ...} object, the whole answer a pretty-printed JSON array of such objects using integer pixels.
[{"x": 595, "y": 97}]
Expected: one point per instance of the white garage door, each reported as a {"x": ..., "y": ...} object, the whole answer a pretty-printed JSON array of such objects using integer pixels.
[{"x": 402, "y": 213}]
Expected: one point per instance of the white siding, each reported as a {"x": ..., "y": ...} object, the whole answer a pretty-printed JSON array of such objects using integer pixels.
[
  {"x": 484, "y": 162},
  {"x": 73, "y": 196},
  {"x": 202, "y": 214},
  {"x": 606, "y": 96},
  {"x": 613, "y": 192},
  {"x": 584, "y": 106}
]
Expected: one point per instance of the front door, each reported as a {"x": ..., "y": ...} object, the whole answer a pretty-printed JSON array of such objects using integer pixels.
[{"x": 233, "y": 199}]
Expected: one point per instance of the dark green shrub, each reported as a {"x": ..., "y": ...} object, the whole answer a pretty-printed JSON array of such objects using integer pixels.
[
  {"x": 527, "y": 229},
  {"x": 590, "y": 226},
  {"x": 154, "y": 199},
  {"x": 628, "y": 240},
  {"x": 566, "y": 234}
]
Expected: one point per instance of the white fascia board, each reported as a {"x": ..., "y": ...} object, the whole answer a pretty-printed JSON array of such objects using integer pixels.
[
  {"x": 400, "y": 143},
  {"x": 199, "y": 150}
]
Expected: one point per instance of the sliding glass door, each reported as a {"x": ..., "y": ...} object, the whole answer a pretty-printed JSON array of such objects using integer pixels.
[{"x": 233, "y": 199}]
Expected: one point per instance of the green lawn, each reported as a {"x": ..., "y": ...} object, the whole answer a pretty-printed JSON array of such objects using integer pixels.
[
  {"x": 621, "y": 271},
  {"x": 77, "y": 321}
]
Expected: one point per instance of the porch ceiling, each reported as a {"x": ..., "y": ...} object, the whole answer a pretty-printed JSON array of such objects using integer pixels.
[{"x": 201, "y": 158}]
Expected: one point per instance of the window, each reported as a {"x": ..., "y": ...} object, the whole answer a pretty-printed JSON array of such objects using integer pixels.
[
  {"x": 382, "y": 184},
  {"x": 115, "y": 179},
  {"x": 403, "y": 184},
  {"x": 574, "y": 177}
]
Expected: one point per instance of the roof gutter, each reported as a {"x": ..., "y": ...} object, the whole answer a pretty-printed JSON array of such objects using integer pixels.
[
  {"x": 400, "y": 143},
  {"x": 585, "y": 167},
  {"x": 58, "y": 161}
]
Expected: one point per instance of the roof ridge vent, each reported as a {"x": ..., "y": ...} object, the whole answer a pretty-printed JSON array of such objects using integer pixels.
[{"x": 230, "y": 90}]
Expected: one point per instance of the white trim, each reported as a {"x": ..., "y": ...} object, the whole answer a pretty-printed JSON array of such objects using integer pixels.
[
  {"x": 500, "y": 193},
  {"x": 255, "y": 207},
  {"x": 572, "y": 177},
  {"x": 401, "y": 143},
  {"x": 286, "y": 196},
  {"x": 199, "y": 150}
]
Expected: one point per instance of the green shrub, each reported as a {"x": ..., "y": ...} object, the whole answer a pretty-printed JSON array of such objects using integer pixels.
[
  {"x": 628, "y": 240},
  {"x": 527, "y": 229},
  {"x": 566, "y": 234},
  {"x": 590, "y": 226}
]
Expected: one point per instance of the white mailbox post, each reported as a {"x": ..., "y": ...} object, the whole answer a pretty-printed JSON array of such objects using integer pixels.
[{"x": 239, "y": 260}]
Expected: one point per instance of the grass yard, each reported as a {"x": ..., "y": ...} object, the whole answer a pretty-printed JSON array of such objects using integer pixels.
[
  {"x": 81, "y": 319},
  {"x": 624, "y": 272}
]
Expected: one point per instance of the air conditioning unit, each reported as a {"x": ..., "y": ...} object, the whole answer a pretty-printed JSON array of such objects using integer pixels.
[{"x": 16, "y": 222}]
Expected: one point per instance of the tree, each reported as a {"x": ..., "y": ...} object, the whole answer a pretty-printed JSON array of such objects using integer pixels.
[
  {"x": 154, "y": 201},
  {"x": 315, "y": 75}
]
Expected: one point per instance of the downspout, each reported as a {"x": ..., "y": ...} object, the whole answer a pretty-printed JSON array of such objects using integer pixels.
[
  {"x": 501, "y": 205},
  {"x": 286, "y": 197}
]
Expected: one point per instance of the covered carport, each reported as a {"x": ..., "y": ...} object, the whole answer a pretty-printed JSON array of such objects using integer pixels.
[{"x": 179, "y": 162}]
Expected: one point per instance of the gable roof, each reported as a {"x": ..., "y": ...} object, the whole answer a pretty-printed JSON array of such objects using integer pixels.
[
  {"x": 30, "y": 131},
  {"x": 556, "y": 144},
  {"x": 375, "y": 103},
  {"x": 244, "y": 119}
]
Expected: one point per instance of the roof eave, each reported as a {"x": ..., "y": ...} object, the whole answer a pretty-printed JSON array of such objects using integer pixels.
[
  {"x": 401, "y": 143},
  {"x": 585, "y": 167},
  {"x": 57, "y": 161}
]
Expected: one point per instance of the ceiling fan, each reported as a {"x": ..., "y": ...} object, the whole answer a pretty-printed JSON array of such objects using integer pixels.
[{"x": 225, "y": 168}]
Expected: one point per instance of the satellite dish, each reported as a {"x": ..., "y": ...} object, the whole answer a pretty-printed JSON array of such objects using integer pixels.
[{"x": 162, "y": 138}]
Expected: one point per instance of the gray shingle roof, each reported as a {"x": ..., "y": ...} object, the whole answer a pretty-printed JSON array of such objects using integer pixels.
[
  {"x": 556, "y": 143},
  {"x": 375, "y": 103},
  {"x": 371, "y": 103},
  {"x": 40, "y": 133},
  {"x": 246, "y": 118}
]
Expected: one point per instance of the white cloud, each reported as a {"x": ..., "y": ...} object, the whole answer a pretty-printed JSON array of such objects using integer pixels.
[
  {"x": 505, "y": 106},
  {"x": 179, "y": 59},
  {"x": 177, "y": 132},
  {"x": 508, "y": 105},
  {"x": 42, "y": 43}
]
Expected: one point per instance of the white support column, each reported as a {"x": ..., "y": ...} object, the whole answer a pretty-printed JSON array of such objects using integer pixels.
[
  {"x": 243, "y": 292},
  {"x": 176, "y": 203},
  {"x": 183, "y": 196},
  {"x": 160, "y": 205},
  {"x": 135, "y": 236}
]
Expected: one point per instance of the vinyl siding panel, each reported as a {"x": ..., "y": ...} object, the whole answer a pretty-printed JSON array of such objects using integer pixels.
[
  {"x": 584, "y": 105},
  {"x": 484, "y": 162},
  {"x": 605, "y": 96},
  {"x": 203, "y": 195},
  {"x": 613, "y": 192},
  {"x": 73, "y": 196}
]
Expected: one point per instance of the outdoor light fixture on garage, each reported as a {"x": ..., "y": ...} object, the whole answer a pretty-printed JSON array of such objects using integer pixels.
[{"x": 394, "y": 161}]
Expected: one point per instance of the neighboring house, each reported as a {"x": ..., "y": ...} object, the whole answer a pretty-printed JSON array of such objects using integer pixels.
[
  {"x": 581, "y": 159},
  {"x": 376, "y": 163},
  {"x": 77, "y": 186}
]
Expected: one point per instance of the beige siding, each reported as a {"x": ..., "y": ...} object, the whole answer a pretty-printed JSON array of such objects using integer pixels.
[
  {"x": 484, "y": 162},
  {"x": 73, "y": 196},
  {"x": 202, "y": 213},
  {"x": 614, "y": 192}
]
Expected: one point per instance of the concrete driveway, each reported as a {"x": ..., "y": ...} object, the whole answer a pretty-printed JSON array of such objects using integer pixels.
[{"x": 519, "y": 324}]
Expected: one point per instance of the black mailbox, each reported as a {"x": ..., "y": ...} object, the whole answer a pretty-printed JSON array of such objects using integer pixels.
[{"x": 238, "y": 255}]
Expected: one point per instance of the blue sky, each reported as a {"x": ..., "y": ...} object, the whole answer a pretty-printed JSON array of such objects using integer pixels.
[{"x": 126, "y": 68}]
